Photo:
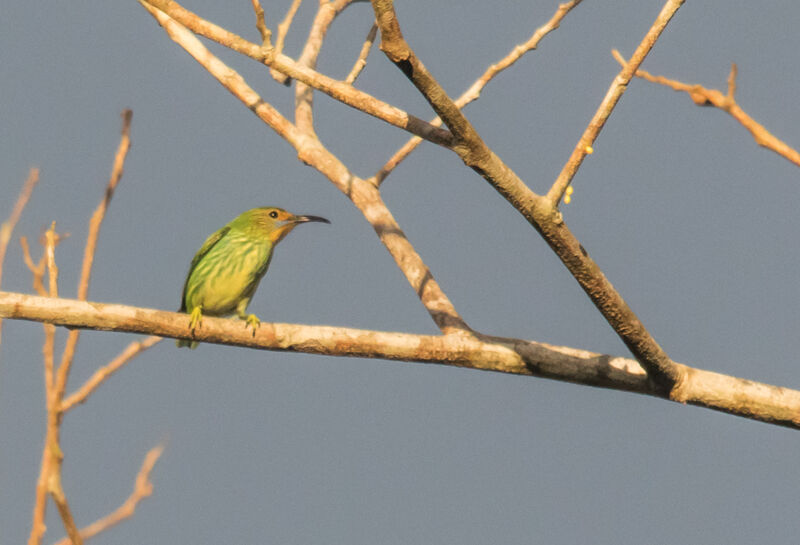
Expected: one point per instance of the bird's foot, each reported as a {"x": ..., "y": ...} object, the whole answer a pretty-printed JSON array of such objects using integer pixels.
[
  {"x": 196, "y": 318},
  {"x": 252, "y": 321}
]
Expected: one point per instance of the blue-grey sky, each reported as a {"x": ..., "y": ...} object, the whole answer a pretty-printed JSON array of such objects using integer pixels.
[{"x": 691, "y": 221}]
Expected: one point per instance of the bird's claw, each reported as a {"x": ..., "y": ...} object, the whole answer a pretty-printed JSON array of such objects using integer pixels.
[
  {"x": 253, "y": 321},
  {"x": 196, "y": 318}
]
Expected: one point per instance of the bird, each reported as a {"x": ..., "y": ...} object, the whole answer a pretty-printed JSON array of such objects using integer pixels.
[{"x": 226, "y": 270}]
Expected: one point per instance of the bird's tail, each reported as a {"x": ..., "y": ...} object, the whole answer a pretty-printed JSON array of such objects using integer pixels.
[{"x": 180, "y": 343}]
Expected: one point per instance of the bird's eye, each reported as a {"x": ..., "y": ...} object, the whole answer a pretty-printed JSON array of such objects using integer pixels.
[{"x": 273, "y": 214}]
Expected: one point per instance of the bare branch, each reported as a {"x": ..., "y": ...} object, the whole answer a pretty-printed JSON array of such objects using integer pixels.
[
  {"x": 91, "y": 245},
  {"x": 37, "y": 269},
  {"x": 703, "y": 388},
  {"x": 142, "y": 488},
  {"x": 361, "y": 61},
  {"x": 261, "y": 24},
  {"x": 283, "y": 30},
  {"x": 473, "y": 93},
  {"x": 341, "y": 91},
  {"x": 60, "y": 499},
  {"x": 541, "y": 212},
  {"x": 310, "y": 150},
  {"x": 101, "y": 375},
  {"x": 727, "y": 103},
  {"x": 7, "y": 228},
  {"x": 308, "y": 58},
  {"x": 618, "y": 86}
]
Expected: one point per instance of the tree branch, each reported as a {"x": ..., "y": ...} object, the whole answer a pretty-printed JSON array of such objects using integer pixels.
[
  {"x": 733, "y": 395},
  {"x": 101, "y": 375},
  {"x": 7, "y": 228},
  {"x": 341, "y": 91},
  {"x": 541, "y": 212},
  {"x": 727, "y": 103},
  {"x": 142, "y": 488},
  {"x": 474, "y": 92},
  {"x": 618, "y": 86},
  {"x": 283, "y": 30},
  {"x": 364, "y": 195}
]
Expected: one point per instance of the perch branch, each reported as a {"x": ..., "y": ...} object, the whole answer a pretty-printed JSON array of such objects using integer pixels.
[
  {"x": 364, "y": 195},
  {"x": 733, "y": 395}
]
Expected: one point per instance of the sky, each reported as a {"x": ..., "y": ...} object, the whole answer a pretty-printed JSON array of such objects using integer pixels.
[{"x": 692, "y": 222}]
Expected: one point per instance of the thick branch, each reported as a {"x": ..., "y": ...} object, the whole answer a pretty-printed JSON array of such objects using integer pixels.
[
  {"x": 704, "y": 388},
  {"x": 540, "y": 211}
]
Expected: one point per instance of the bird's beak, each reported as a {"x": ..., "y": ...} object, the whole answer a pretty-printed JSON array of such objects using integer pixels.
[
  {"x": 287, "y": 225},
  {"x": 303, "y": 219}
]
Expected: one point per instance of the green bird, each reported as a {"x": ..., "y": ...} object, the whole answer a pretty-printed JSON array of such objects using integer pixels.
[{"x": 226, "y": 270}]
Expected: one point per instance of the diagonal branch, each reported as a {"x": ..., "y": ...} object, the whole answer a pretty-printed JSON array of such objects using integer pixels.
[
  {"x": 142, "y": 488},
  {"x": 474, "y": 92},
  {"x": 364, "y": 195},
  {"x": 91, "y": 245},
  {"x": 7, "y": 228},
  {"x": 541, "y": 212},
  {"x": 618, "y": 86},
  {"x": 727, "y": 103},
  {"x": 733, "y": 395},
  {"x": 101, "y": 375},
  {"x": 308, "y": 58},
  {"x": 283, "y": 30},
  {"x": 361, "y": 61},
  {"x": 341, "y": 91}
]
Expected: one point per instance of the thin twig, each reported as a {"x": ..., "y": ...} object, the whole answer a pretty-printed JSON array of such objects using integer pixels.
[
  {"x": 7, "y": 228},
  {"x": 727, "y": 103},
  {"x": 736, "y": 396},
  {"x": 474, "y": 91},
  {"x": 142, "y": 488},
  {"x": 361, "y": 61},
  {"x": 283, "y": 30},
  {"x": 585, "y": 144},
  {"x": 91, "y": 245},
  {"x": 304, "y": 95},
  {"x": 101, "y": 375},
  {"x": 173, "y": 15},
  {"x": 37, "y": 269},
  {"x": 261, "y": 24}
]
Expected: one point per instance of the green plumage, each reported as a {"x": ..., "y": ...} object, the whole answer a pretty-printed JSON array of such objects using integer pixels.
[{"x": 226, "y": 270}]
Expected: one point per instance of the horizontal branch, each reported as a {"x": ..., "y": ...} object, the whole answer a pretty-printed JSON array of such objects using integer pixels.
[{"x": 703, "y": 388}]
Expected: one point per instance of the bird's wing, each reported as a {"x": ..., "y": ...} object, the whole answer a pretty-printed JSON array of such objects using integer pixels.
[{"x": 204, "y": 249}]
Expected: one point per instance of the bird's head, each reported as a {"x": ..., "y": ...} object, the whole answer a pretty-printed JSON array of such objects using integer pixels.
[{"x": 274, "y": 222}]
